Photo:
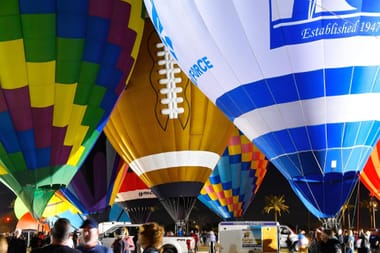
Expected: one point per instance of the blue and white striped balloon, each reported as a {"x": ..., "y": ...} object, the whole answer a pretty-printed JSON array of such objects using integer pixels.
[{"x": 300, "y": 78}]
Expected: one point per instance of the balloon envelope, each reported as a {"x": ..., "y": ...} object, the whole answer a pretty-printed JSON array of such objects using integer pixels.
[
  {"x": 236, "y": 178},
  {"x": 63, "y": 65},
  {"x": 136, "y": 198},
  {"x": 168, "y": 132},
  {"x": 56, "y": 205},
  {"x": 94, "y": 187},
  {"x": 117, "y": 213},
  {"x": 298, "y": 78},
  {"x": 27, "y": 221},
  {"x": 370, "y": 176}
]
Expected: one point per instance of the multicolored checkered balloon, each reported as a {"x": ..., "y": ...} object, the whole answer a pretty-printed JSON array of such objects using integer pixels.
[
  {"x": 235, "y": 180},
  {"x": 63, "y": 65}
]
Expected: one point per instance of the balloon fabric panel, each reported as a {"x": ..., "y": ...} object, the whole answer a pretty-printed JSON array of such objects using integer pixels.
[
  {"x": 164, "y": 148},
  {"x": 168, "y": 132},
  {"x": 63, "y": 65},
  {"x": 94, "y": 186},
  {"x": 136, "y": 198},
  {"x": 237, "y": 177},
  {"x": 370, "y": 176},
  {"x": 282, "y": 73}
]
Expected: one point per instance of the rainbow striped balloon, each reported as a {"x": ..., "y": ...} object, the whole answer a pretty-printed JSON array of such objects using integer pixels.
[{"x": 63, "y": 65}]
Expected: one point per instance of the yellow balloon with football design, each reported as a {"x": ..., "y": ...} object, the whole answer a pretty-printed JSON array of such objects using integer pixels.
[{"x": 169, "y": 133}]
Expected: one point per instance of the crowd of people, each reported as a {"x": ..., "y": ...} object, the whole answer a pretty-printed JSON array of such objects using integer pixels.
[
  {"x": 62, "y": 240},
  {"x": 337, "y": 241}
]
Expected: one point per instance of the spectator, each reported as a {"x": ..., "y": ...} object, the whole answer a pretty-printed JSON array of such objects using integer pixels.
[
  {"x": 211, "y": 237},
  {"x": 3, "y": 244},
  {"x": 90, "y": 236},
  {"x": 124, "y": 240},
  {"x": 17, "y": 244},
  {"x": 350, "y": 242},
  {"x": 196, "y": 239},
  {"x": 303, "y": 241},
  {"x": 151, "y": 237},
  {"x": 60, "y": 236}
]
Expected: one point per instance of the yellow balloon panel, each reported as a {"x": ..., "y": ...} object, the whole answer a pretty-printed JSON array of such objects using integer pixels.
[{"x": 56, "y": 205}]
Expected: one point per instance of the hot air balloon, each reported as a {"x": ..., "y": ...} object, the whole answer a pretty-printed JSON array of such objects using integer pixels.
[
  {"x": 299, "y": 80},
  {"x": 136, "y": 198},
  {"x": 63, "y": 65},
  {"x": 117, "y": 213},
  {"x": 370, "y": 176},
  {"x": 57, "y": 205},
  {"x": 94, "y": 187},
  {"x": 168, "y": 132},
  {"x": 236, "y": 178}
]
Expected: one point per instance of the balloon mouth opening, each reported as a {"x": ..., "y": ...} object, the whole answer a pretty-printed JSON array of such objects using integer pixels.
[{"x": 51, "y": 187}]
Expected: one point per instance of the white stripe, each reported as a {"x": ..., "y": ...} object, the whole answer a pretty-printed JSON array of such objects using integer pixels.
[
  {"x": 135, "y": 194},
  {"x": 324, "y": 110},
  {"x": 174, "y": 159},
  {"x": 240, "y": 53}
]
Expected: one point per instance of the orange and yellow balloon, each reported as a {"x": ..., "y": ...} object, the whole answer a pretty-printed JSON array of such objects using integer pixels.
[{"x": 168, "y": 132}]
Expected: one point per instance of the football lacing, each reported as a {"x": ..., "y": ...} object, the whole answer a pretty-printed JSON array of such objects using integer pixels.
[{"x": 169, "y": 70}]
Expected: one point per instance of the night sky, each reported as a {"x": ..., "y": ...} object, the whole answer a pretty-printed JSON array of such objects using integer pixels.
[
  {"x": 298, "y": 217},
  {"x": 273, "y": 184}
]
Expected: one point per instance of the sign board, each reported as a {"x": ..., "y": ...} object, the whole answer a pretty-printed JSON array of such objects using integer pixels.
[{"x": 248, "y": 237}]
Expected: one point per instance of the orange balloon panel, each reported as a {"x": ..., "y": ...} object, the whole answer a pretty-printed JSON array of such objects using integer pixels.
[
  {"x": 171, "y": 135},
  {"x": 27, "y": 221},
  {"x": 370, "y": 176}
]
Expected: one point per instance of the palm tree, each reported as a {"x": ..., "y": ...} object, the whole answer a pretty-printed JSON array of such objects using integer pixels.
[
  {"x": 276, "y": 204},
  {"x": 346, "y": 208},
  {"x": 371, "y": 205}
]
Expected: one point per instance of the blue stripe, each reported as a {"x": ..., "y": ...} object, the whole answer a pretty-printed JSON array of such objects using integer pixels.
[
  {"x": 70, "y": 26},
  {"x": 282, "y": 89},
  {"x": 111, "y": 54},
  {"x": 28, "y": 148},
  {"x": 108, "y": 77},
  {"x": 310, "y": 164},
  {"x": 299, "y": 86},
  {"x": 43, "y": 157},
  {"x": 338, "y": 81},
  {"x": 235, "y": 192},
  {"x": 214, "y": 179},
  {"x": 107, "y": 105},
  {"x": 9, "y": 139},
  {"x": 72, "y": 18},
  {"x": 235, "y": 158},
  {"x": 317, "y": 196},
  {"x": 214, "y": 205},
  {"x": 339, "y": 135},
  {"x": 227, "y": 185},
  {"x": 371, "y": 77},
  {"x": 96, "y": 39},
  {"x": 245, "y": 166},
  {"x": 72, "y": 6},
  {"x": 36, "y": 7}
]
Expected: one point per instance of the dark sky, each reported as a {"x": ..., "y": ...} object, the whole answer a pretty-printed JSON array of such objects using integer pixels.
[{"x": 275, "y": 184}]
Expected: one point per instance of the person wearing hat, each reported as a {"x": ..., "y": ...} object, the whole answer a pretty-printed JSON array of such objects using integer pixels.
[
  {"x": 90, "y": 236},
  {"x": 60, "y": 236}
]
